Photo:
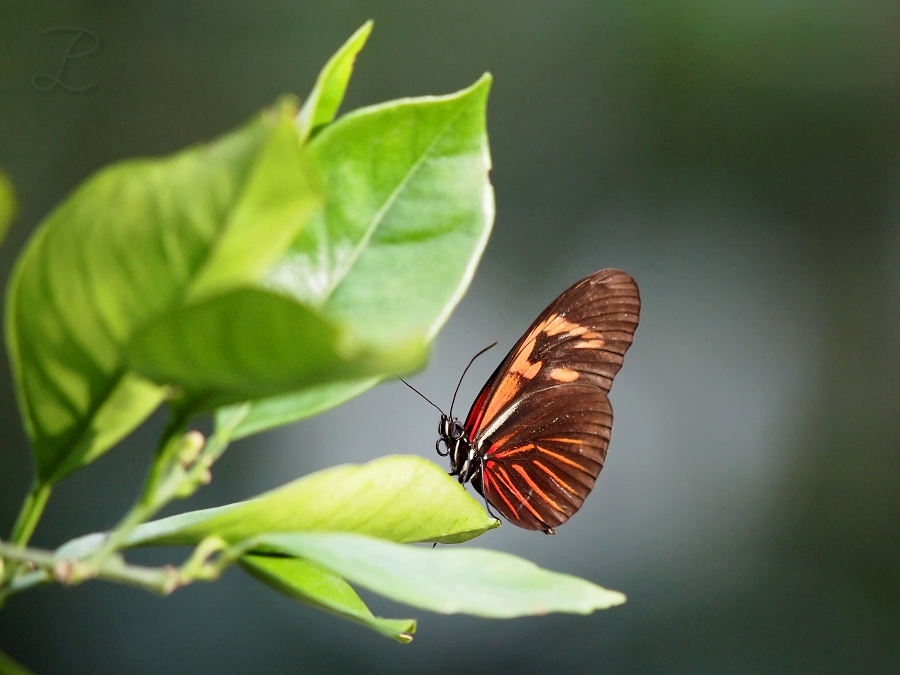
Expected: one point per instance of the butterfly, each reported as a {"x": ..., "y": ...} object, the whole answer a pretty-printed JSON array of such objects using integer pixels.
[{"x": 536, "y": 437}]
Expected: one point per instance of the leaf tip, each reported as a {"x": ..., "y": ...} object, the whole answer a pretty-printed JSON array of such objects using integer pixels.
[
  {"x": 478, "y": 91},
  {"x": 616, "y": 598},
  {"x": 484, "y": 82},
  {"x": 354, "y": 44},
  {"x": 405, "y": 636},
  {"x": 285, "y": 108},
  {"x": 365, "y": 30},
  {"x": 606, "y": 598}
]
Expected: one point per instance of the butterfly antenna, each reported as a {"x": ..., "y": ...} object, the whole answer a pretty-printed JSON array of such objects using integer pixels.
[
  {"x": 419, "y": 393},
  {"x": 464, "y": 374}
]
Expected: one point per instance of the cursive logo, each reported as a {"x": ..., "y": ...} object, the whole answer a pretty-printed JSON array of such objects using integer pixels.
[{"x": 45, "y": 82}]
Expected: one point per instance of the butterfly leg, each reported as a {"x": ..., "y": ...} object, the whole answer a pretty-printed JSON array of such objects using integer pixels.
[{"x": 487, "y": 505}]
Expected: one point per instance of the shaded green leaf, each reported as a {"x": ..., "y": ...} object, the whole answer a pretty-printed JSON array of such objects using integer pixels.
[
  {"x": 447, "y": 580},
  {"x": 322, "y": 588},
  {"x": 7, "y": 205},
  {"x": 400, "y": 498},
  {"x": 328, "y": 93},
  {"x": 409, "y": 211},
  {"x": 9, "y": 666},
  {"x": 132, "y": 243},
  {"x": 249, "y": 343}
]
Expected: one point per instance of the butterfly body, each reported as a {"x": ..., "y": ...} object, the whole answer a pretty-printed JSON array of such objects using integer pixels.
[{"x": 536, "y": 437}]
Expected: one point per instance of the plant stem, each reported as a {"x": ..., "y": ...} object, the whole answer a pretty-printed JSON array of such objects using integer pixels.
[
  {"x": 153, "y": 497},
  {"x": 28, "y": 518},
  {"x": 117, "y": 538},
  {"x": 30, "y": 514},
  {"x": 37, "y": 556},
  {"x": 165, "y": 451},
  {"x": 181, "y": 465},
  {"x": 172, "y": 475},
  {"x": 25, "y": 581},
  {"x": 157, "y": 579}
]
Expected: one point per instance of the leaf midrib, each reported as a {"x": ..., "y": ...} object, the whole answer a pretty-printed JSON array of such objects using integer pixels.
[{"x": 379, "y": 216}]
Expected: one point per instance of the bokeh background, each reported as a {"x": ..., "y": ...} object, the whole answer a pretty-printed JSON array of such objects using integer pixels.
[{"x": 740, "y": 159}]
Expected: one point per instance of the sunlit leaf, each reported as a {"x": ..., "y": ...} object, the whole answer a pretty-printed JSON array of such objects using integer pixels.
[
  {"x": 249, "y": 343},
  {"x": 447, "y": 579},
  {"x": 322, "y": 588},
  {"x": 409, "y": 211},
  {"x": 401, "y": 498},
  {"x": 324, "y": 100},
  {"x": 276, "y": 201},
  {"x": 133, "y": 243}
]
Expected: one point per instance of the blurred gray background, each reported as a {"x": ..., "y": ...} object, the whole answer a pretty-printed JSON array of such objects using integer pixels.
[{"x": 740, "y": 159}]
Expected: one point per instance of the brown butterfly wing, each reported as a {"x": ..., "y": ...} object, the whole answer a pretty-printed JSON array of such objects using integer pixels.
[{"x": 543, "y": 420}]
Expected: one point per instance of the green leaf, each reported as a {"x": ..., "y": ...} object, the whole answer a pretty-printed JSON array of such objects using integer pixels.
[
  {"x": 131, "y": 244},
  {"x": 401, "y": 498},
  {"x": 269, "y": 412},
  {"x": 276, "y": 201},
  {"x": 319, "y": 587},
  {"x": 447, "y": 580},
  {"x": 7, "y": 206},
  {"x": 328, "y": 93},
  {"x": 250, "y": 343},
  {"x": 409, "y": 211}
]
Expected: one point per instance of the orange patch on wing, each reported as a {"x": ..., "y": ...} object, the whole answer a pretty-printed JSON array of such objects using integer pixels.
[
  {"x": 522, "y": 367},
  {"x": 533, "y": 370},
  {"x": 522, "y": 363},
  {"x": 549, "y": 324},
  {"x": 557, "y": 324},
  {"x": 564, "y": 375},
  {"x": 590, "y": 344},
  {"x": 532, "y": 336},
  {"x": 506, "y": 392},
  {"x": 534, "y": 486}
]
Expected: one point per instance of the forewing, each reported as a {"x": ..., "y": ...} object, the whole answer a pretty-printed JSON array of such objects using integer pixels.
[{"x": 543, "y": 420}]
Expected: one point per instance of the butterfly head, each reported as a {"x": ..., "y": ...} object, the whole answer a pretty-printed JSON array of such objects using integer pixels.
[
  {"x": 451, "y": 428},
  {"x": 452, "y": 441}
]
